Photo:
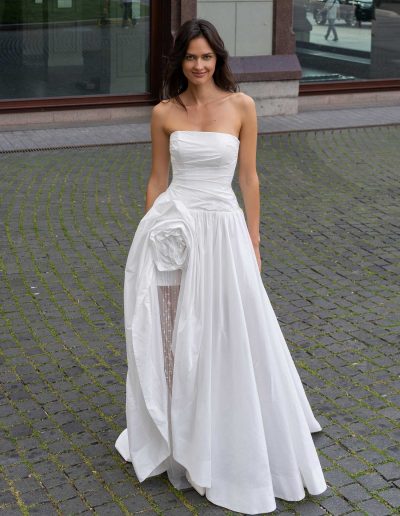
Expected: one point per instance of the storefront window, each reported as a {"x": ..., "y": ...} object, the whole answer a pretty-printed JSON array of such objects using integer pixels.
[
  {"x": 344, "y": 40},
  {"x": 67, "y": 48}
]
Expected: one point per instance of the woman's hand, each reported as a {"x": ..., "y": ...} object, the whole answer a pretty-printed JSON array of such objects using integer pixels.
[{"x": 256, "y": 248}]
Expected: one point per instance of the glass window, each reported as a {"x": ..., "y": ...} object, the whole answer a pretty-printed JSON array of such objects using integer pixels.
[
  {"x": 64, "y": 48},
  {"x": 342, "y": 40}
]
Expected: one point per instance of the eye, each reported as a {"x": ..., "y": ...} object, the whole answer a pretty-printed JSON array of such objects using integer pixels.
[
  {"x": 188, "y": 57},
  {"x": 207, "y": 57}
]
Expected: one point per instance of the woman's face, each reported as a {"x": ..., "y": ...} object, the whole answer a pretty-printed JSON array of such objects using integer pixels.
[{"x": 199, "y": 62}]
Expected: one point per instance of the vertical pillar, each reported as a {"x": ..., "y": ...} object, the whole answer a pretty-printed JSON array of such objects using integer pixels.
[
  {"x": 284, "y": 40},
  {"x": 181, "y": 11}
]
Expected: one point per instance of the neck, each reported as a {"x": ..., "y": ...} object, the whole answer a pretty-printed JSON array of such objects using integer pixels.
[{"x": 199, "y": 95}]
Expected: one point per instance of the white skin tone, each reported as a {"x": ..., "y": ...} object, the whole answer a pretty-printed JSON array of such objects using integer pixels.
[{"x": 208, "y": 109}]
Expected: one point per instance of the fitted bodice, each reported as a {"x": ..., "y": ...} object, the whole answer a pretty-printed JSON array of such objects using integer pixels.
[{"x": 203, "y": 166}]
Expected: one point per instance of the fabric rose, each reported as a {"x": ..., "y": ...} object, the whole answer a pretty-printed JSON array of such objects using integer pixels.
[{"x": 171, "y": 237}]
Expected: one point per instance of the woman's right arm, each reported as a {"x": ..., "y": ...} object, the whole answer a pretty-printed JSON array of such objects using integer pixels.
[{"x": 159, "y": 175}]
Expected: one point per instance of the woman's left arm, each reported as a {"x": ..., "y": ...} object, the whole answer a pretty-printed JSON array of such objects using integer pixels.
[{"x": 248, "y": 177}]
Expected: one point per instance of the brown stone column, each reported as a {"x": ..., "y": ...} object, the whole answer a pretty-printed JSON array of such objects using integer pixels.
[
  {"x": 181, "y": 11},
  {"x": 284, "y": 40}
]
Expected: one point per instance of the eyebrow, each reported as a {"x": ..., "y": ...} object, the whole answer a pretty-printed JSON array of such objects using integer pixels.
[{"x": 205, "y": 54}]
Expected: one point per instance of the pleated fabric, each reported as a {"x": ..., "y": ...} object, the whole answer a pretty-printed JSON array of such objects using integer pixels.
[{"x": 213, "y": 396}]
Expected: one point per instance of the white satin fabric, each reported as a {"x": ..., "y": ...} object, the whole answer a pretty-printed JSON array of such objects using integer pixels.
[{"x": 213, "y": 396}]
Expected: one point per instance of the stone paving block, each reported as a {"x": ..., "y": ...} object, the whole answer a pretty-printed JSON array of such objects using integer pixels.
[
  {"x": 136, "y": 503},
  {"x": 392, "y": 496},
  {"x": 337, "y": 478},
  {"x": 372, "y": 481},
  {"x": 43, "y": 509},
  {"x": 389, "y": 471},
  {"x": 372, "y": 456},
  {"x": 373, "y": 507},
  {"x": 70, "y": 459},
  {"x": 13, "y": 510},
  {"x": 6, "y": 445},
  {"x": 109, "y": 509},
  {"x": 25, "y": 485},
  {"x": 209, "y": 510},
  {"x": 310, "y": 509},
  {"x": 114, "y": 475},
  {"x": 391, "y": 412},
  {"x": 99, "y": 497},
  {"x": 336, "y": 505},
  {"x": 72, "y": 506},
  {"x": 193, "y": 497},
  {"x": 87, "y": 484},
  {"x": 16, "y": 471},
  {"x": 77, "y": 471},
  {"x": 352, "y": 464},
  {"x": 53, "y": 480},
  {"x": 123, "y": 489},
  {"x": 166, "y": 500},
  {"x": 6, "y": 497},
  {"x": 33, "y": 497},
  {"x": 354, "y": 493},
  {"x": 354, "y": 444},
  {"x": 336, "y": 451},
  {"x": 63, "y": 492},
  {"x": 178, "y": 511},
  {"x": 393, "y": 452}
]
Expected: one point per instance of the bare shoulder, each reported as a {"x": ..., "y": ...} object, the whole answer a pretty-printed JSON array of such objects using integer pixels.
[
  {"x": 161, "y": 113},
  {"x": 245, "y": 109},
  {"x": 243, "y": 101},
  {"x": 161, "y": 109}
]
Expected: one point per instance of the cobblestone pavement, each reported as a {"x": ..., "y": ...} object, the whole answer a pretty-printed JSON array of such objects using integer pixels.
[{"x": 331, "y": 242}]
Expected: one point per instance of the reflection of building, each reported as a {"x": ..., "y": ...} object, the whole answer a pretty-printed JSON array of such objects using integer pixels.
[
  {"x": 62, "y": 53},
  {"x": 369, "y": 46}
]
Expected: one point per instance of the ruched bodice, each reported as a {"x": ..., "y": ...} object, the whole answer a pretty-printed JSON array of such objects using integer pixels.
[{"x": 203, "y": 166}]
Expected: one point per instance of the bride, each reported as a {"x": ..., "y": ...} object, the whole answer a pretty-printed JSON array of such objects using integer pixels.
[{"x": 213, "y": 396}]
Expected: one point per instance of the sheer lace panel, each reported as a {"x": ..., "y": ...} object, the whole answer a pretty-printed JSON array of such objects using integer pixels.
[{"x": 168, "y": 285}]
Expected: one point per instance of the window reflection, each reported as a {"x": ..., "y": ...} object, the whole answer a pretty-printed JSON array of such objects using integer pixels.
[
  {"x": 60, "y": 48},
  {"x": 347, "y": 39}
]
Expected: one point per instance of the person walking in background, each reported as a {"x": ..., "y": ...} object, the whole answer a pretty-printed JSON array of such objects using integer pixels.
[
  {"x": 331, "y": 8},
  {"x": 127, "y": 18}
]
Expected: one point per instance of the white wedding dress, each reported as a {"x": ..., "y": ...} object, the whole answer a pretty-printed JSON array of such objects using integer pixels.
[{"x": 213, "y": 396}]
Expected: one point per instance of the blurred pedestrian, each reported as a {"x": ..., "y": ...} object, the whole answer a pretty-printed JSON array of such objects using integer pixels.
[
  {"x": 127, "y": 18},
  {"x": 331, "y": 8}
]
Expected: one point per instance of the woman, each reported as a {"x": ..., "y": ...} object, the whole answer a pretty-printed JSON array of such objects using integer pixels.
[{"x": 213, "y": 396}]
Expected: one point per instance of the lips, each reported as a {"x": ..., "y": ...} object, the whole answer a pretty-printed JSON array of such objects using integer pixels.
[{"x": 199, "y": 74}]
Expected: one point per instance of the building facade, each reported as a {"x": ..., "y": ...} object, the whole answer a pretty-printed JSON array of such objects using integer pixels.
[{"x": 80, "y": 54}]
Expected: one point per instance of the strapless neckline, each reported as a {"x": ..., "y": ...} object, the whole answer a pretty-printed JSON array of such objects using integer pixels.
[{"x": 205, "y": 132}]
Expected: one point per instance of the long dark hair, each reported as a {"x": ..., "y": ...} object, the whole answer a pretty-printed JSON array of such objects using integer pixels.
[{"x": 175, "y": 81}]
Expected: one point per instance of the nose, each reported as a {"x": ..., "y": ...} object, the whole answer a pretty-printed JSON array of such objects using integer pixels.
[{"x": 198, "y": 63}]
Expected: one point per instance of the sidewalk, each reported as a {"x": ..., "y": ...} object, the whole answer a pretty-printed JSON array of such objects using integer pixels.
[
  {"x": 50, "y": 137},
  {"x": 330, "y": 235}
]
